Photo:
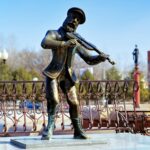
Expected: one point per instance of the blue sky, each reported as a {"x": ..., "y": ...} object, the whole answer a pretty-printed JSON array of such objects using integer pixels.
[{"x": 114, "y": 26}]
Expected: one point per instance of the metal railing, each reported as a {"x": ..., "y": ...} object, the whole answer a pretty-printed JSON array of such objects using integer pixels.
[{"x": 104, "y": 105}]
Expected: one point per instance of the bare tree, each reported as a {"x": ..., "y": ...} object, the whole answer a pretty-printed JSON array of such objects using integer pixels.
[
  {"x": 31, "y": 59},
  {"x": 1, "y": 41},
  {"x": 12, "y": 51},
  {"x": 43, "y": 59}
]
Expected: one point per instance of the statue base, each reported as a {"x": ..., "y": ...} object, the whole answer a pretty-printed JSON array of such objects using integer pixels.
[{"x": 64, "y": 141}]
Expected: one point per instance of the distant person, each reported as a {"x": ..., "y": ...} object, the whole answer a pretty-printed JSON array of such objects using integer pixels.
[{"x": 60, "y": 72}]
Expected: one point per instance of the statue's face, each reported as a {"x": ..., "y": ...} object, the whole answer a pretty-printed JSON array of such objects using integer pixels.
[{"x": 71, "y": 22}]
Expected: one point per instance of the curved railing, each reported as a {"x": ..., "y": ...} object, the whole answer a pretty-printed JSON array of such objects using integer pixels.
[{"x": 104, "y": 105}]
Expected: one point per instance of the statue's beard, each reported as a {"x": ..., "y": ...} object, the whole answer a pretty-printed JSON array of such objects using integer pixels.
[{"x": 70, "y": 27}]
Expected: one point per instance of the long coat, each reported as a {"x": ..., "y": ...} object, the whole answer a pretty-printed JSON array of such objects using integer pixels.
[{"x": 62, "y": 57}]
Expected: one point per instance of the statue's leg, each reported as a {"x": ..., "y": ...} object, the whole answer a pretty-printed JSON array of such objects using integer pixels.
[
  {"x": 74, "y": 113},
  {"x": 52, "y": 101}
]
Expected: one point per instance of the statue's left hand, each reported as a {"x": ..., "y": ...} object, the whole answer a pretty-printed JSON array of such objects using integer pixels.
[{"x": 102, "y": 57}]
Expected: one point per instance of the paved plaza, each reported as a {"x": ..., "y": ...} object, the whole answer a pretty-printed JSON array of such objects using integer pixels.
[{"x": 105, "y": 141}]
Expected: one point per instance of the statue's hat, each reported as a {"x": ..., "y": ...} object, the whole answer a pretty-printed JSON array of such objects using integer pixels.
[{"x": 78, "y": 11}]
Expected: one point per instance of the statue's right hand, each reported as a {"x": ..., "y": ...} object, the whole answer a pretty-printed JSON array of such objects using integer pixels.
[{"x": 69, "y": 43}]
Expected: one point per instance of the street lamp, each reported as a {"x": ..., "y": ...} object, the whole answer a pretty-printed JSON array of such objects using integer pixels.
[
  {"x": 4, "y": 55},
  {"x": 35, "y": 79}
]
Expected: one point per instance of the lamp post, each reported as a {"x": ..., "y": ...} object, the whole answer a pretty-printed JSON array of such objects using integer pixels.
[
  {"x": 136, "y": 75},
  {"x": 4, "y": 55}
]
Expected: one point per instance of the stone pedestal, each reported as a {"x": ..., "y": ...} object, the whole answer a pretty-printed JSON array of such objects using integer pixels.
[
  {"x": 57, "y": 141},
  {"x": 102, "y": 141}
]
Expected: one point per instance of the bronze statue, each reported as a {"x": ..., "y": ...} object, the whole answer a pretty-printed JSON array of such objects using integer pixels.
[
  {"x": 136, "y": 55},
  {"x": 60, "y": 73}
]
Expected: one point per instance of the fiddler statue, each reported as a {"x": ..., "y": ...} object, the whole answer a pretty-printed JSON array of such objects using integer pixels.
[{"x": 65, "y": 43}]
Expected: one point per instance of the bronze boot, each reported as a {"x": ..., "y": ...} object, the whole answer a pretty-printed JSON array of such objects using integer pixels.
[
  {"x": 78, "y": 131},
  {"x": 48, "y": 132}
]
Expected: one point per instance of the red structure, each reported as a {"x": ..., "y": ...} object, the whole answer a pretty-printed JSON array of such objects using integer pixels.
[
  {"x": 148, "y": 55},
  {"x": 136, "y": 77},
  {"x": 137, "y": 90}
]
